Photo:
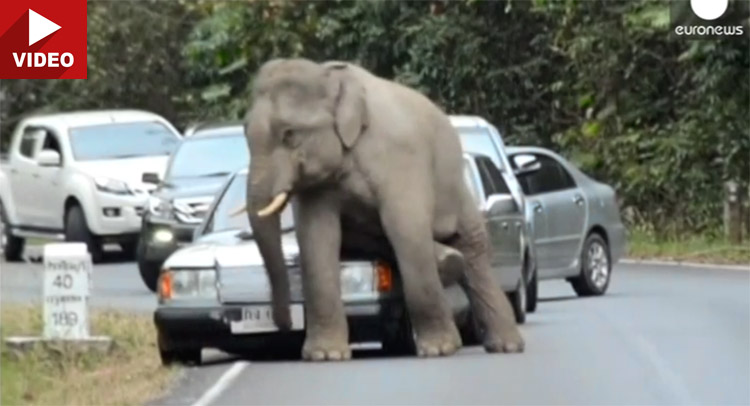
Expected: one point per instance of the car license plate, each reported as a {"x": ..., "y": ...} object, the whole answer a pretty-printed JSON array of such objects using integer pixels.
[{"x": 259, "y": 319}]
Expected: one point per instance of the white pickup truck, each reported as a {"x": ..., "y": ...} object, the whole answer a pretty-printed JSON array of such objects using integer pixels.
[{"x": 78, "y": 176}]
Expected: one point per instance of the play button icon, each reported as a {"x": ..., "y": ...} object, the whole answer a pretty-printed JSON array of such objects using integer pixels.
[{"x": 39, "y": 27}]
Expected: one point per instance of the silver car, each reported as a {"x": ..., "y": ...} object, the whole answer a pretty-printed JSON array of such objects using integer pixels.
[
  {"x": 216, "y": 293},
  {"x": 577, "y": 231}
]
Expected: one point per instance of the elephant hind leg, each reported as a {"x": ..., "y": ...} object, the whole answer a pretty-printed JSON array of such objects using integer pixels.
[{"x": 489, "y": 304}]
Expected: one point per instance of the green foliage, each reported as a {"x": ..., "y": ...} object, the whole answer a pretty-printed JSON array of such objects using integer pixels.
[{"x": 663, "y": 119}]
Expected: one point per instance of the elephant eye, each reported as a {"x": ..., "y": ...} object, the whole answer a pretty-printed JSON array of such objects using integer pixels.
[{"x": 289, "y": 138}]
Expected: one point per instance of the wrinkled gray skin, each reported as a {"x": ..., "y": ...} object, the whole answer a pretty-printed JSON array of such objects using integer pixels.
[{"x": 366, "y": 159}]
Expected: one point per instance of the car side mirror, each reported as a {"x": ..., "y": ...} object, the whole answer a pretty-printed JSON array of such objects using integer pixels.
[
  {"x": 526, "y": 164},
  {"x": 150, "y": 177},
  {"x": 499, "y": 204},
  {"x": 48, "y": 157}
]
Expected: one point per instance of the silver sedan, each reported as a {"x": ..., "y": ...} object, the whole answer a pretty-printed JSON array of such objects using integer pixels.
[{"x": 576, "y": 225}]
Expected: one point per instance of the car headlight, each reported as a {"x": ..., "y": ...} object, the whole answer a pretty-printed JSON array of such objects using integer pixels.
[
  {"x": 113, "y": 186},
  {"x": 365, "y": 278},
  {"x": 159, "y": 207},
  {"x": 187, "y": 283}
]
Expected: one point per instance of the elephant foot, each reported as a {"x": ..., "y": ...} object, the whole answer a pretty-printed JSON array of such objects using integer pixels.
[
  {"x": 435, "y": 342},
  {"x": 326, "y": 350},
  {"x": 507, "y": 340}
]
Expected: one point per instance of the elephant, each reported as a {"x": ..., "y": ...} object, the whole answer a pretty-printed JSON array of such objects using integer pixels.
[{"x": 362, "y": 158}]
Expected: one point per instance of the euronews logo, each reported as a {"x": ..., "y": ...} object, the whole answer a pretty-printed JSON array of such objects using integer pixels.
[{"x": 709, "y": 19}]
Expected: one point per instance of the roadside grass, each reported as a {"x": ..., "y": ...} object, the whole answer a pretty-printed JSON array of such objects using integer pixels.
[
  {"x": 130, "y": 374},
  {"x": 694, "y": 248}
]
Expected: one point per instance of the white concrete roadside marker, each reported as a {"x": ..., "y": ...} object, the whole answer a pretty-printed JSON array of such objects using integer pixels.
[
  {"x": 66, "y": 291},
  {"x": 221, "y": 384}
]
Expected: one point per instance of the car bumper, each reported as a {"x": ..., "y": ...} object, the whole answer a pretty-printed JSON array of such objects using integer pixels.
[
  {"x": 116, "y": 215},
  {"x": 209, "y": 326},
  {"x": 156, "y": 249}
]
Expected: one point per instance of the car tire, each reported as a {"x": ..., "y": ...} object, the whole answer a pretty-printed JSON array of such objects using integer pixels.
[
  {"x": 130, "y": 248},
  {"x": 402, "y": 341},
  {"x": 149, "y": 270},
  {"x": 182, "y": 356},
  {"x": 12, "y": 246},
  {"x": 532, "y": 293},
  {"x": 518, "y": 301},
  {"x": 191, "y": 356},
  {"x": 596, "y": 268},
  {"x": 76, "y": 230}
]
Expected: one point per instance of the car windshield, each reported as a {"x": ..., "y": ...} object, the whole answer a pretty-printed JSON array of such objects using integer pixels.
[
  {"x": 122, "y": 140},
  {"x": 478, "y": 140},
  {"x": 232, "y": 200},
  {"x": 209, "y": 156}
]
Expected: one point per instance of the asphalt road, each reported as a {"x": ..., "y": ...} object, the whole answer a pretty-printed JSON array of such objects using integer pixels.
[{"x": 662, "y": 335}]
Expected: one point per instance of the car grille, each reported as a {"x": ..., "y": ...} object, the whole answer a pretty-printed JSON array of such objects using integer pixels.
[
  {"x": 251, "y": 285},
  {"x": 192, "y": 210},
  {"x": 199, "y": 209}
]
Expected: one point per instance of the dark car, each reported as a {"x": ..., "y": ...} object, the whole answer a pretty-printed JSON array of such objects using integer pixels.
[{"x": 195, "y": 172}]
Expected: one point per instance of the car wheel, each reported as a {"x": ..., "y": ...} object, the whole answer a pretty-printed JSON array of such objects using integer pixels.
[
  {"x": 532, "y": 293},
  {"x": 471, "y": 332},
  {"x": 596, "y": 268},
  {"x": 12, "y": 246},
  {"x": 77, "y": 230},
  {"x": 183, "y": 356},
  {"x": 190, "y": 356},
  {"x": 130, "y": 248},
  {"x": 149, "y": 270},
  {"x": 401, "y": 342},
  {"x": 518, "y": 301}
]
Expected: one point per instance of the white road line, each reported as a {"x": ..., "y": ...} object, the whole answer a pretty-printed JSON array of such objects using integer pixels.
[
  {"x": 221, "y": 384},
  {"x": 686, "y": 264}
]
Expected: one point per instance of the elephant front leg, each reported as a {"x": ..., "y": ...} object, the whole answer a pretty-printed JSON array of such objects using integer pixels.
[
  {"x": 410, "y": 235},
  {"x": 319, "y": 237}
]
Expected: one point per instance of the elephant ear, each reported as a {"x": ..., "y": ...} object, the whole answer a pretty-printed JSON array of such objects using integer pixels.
[{"x": 349, "y": 101}]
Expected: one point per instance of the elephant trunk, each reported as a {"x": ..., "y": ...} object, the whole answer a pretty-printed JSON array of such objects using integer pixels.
[{"x": 267, "y": 234}]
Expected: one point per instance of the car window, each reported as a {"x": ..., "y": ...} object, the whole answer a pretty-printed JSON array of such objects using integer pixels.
[
  {"x": 51, "y": 142},
  {"x": 234, "y": 197},
  {"x": 478, "y": 140},
  {"x": 29, "y": 140},
  {"x": 493, "y": 174},
  {"x": 471, "y": 183},
  {"x": 551, "y": 177},
  {"x": 209, "y": 156},
  {"x": 122, "y": 140},
  {"x": 487, "y": 185}
]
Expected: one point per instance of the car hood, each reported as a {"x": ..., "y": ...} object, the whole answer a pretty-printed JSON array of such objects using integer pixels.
[
  {"x": 190, "y": 187},
  {"x": 227, "y": 250},
  {"x": 240, "y": 266},
  {"x": 129, "y": 170}
]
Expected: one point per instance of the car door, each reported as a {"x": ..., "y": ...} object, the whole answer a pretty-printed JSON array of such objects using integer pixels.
[
  {"x": 506, "y": 227},
  {"x": 23, "y": 174},
  {"x": 555, "y": 198},
  {"x": 49, "y": 183}
]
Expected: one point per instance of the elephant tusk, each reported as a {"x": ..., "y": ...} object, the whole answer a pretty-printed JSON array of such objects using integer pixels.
[
  {"x": 238, "y": 211},
  {"x": 276, "y": 204}
]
